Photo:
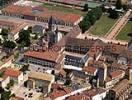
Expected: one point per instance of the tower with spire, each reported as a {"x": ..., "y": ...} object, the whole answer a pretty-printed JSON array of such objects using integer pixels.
[{"x": 52, "y": 24}]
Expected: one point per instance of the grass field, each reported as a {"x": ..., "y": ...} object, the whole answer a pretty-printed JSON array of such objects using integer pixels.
[
  {"x": 63, "y": 9},
  {"x": 102, "y": 26},
  {"x": 123, "y": 33}
]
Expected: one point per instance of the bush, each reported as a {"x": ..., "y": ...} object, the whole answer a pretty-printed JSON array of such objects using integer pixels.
[{"x": 113, "y": 14}]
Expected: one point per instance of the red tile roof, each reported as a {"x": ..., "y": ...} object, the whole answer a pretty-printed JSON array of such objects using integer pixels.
[
  {"x": 93, "y": 92},
  {"x": 79, "y": 97},
  {"x": 59, "y": 90},
  {"x": 57, "y": 93},
  {"x": 12, "y": 72},
  {"x": 14, "y": 27},
  {"x": 46, "y": 55},
  {"x": 7, "y": 23},
  {"x": 26, "y": 10},
  {"x": 16, "y": 98},
  {"x": 116, "y": 73},
  {"x": 89, "y": 69},
  {"x": 68, "y": 89}
]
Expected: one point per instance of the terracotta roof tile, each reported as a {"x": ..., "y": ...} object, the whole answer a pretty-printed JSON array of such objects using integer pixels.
[
  {"x": 46, "y": 55},
  {"x": 16, "y": 98},
  {"x": 121, "y": 85},
  {"x": 68, "y": 89},
  {"x": 12, "y": 72},
  {"x": 89, "y": 69},
  {"x": 116, "y": 73},
  {"x": 44, "y": 12},
  {"x": 56, "y": 94},
  {"x": 79, "y": 97}
]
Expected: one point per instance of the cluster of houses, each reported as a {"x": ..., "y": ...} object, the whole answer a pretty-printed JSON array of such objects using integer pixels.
[
  {"x": 86, "y": 64},
  {"x": 62, "y": 66}
]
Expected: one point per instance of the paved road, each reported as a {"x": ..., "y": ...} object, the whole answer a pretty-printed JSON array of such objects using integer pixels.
[{"x": 118, "y": 26}]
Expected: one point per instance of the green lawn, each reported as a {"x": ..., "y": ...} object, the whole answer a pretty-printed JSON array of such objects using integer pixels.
[
  {"x": 123, "y": 33},
  {"x": 63, "y": 9},
  {"x": 102, "y": 26}
]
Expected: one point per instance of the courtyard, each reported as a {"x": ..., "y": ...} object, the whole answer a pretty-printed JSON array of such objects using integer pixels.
[
  {"x": 102, "y": 26},
  {"x": 123, "y": 34}
]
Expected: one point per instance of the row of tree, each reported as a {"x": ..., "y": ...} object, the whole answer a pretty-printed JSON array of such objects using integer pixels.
[{"x": 91, "y": 17}]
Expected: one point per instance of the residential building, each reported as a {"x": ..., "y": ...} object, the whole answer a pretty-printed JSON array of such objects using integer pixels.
[
  {"x": 62, "y": 92},
  {"x": 45, "y": 59},
  {"x": 76, "y": 53},
  {"x": 120, "y": 91},
  {"x": 114, "y": 78},
  {"x": 92, "y": 71},
  {"x": 14, "y": 74},
  {"x": 13, "y": 27},
  {"x": 92, "y": 94}
]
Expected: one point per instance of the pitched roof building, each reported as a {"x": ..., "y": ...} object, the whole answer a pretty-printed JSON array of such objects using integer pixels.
[
  {"x": 41, "y": 14},
  {"x": 120, "y": 91}
]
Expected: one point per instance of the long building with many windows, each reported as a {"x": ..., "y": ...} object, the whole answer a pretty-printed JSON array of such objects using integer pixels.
[{"x": 41, "y": 14}]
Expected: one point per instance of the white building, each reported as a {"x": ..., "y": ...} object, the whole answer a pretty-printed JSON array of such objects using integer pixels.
[{"x": 4, "y": 80}]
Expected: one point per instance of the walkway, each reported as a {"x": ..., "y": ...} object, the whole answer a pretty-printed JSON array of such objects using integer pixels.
[
  {"x": 83, "y": 36},
  {"x": 118, "y": 26}
]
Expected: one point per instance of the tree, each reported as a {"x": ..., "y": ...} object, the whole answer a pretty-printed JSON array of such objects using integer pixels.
[
  {"x": 84, "y": 25},
  {"x": 11, "y": 82},
  {"x": 129, "y": 34},
  {"x": 1, "y": 74},
  {"x": 35, "y": 37},
  {"x": 6, "y": 95},
  {"x": 125, "y": 7},
  {"x": 85, "y": 8},
  {"x": 9, "y": 85},
  {"x": 113, "y": 14},
  {"x": 13, "y": 95},
  {"x": 1, "y": 90},
  {"x": 9, "y": 44},
  {"x": 24, "y": 38},
  {"x": 4, "y": 33},
  {"x": 24, "y": 68},
  {"x": 92, "y": 18},
  {"x": 98, "y": 12},
  {"x": 103, "y": 8},
  {"x": 119, "y": 4},
  {"x": 68, "y": 81}
]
